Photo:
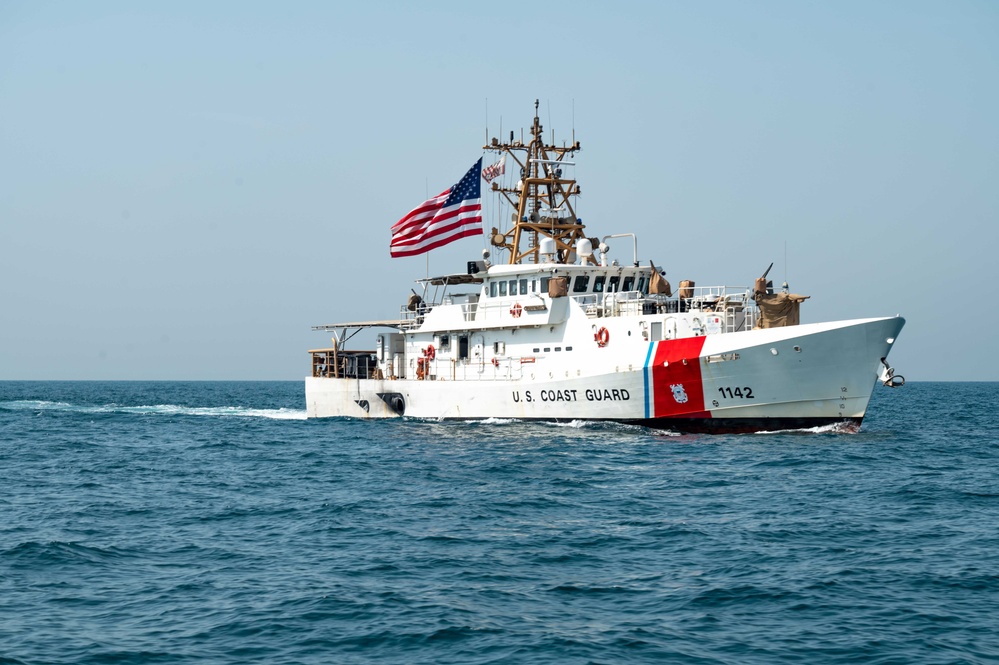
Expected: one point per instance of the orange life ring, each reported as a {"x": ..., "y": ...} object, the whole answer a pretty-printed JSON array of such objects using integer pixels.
[
  {"x": 495, "y": 362},
  {"x": 516, "y": 311},
  {"x": 601, "y": 337},
  {"x": 430, "y": 352}
]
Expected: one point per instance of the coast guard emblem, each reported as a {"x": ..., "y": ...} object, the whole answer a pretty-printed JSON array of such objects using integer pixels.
[{"x": 678, "y": 393}]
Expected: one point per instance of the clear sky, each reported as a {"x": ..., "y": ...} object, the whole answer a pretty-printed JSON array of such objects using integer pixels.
[{"x": 187, "y": 187}]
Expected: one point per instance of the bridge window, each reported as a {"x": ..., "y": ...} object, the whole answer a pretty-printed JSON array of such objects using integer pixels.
[
  {"x": 613, "y": 283},
  {"x": 629, "y": 283},
  {"x": 598, "y": 283},
  {"x": 523, "y": 287},
  {"x": 582, "y": 284}
]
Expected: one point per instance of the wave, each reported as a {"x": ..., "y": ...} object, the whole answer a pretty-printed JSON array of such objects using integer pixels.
[
  {"x": 578, "y": 423},
  {"x": 573, "y": 424},
  {"x": 156, "y": 410},
  {"x": 492, "y": 421},
  {"x": 55, "y": 551},
  {"x": 833, "y": 428}
]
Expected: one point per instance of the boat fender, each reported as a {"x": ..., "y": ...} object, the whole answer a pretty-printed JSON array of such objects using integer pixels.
[
  {"x": 398, "y": 404},
  {"x": 601, "y": 337},
  {"x": 430, "y": 352},
  {"x": 394, "y": 401}
]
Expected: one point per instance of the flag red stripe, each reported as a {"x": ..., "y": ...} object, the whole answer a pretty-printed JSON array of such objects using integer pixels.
[
  {"x": 428, "y": 226},
  {"x": 427, "y": 208},
  {"x": 466, "y": 212},
  {"x": 439, "y": 230},
  {"x": 434, "y": 245}
]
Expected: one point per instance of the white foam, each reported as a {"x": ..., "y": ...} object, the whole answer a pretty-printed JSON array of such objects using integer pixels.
[
  {"x": 833, "y": 428},
  {"x": 577, "y": 424},
  {"x": 158, "y": 410}
]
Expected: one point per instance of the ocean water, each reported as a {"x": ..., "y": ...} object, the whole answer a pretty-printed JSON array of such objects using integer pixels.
[{"x": 172, "y": 522}]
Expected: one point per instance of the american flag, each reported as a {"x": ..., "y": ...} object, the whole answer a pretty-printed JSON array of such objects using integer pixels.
[
  {"x": 454, "y": 213},
  {"x": 494, "y": 170}
]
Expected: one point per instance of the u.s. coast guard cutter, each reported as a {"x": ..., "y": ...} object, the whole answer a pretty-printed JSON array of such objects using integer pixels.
[{"x": 564, "y": 332}]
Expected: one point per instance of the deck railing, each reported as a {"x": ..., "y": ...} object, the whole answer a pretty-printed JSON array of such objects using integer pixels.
[
  {"x": 339, "y": 364},
  {"x": 734, "y": 303}
]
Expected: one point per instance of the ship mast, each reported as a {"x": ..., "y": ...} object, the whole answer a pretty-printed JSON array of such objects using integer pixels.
[{"x": 542, "y": 198}]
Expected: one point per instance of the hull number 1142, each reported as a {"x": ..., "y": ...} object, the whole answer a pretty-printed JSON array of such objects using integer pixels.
[{"x": 742, "y": 393}]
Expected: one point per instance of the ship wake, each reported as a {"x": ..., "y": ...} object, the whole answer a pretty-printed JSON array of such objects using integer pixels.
[{"x": 42, "y": 406}]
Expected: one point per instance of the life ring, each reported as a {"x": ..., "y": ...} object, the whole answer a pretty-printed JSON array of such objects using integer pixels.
[
  {"x": 430, "y": 352},
  {"x": 495, "y": 362},
  {"x": 516, "y": 311},
  {"x": 601, "y": 337}
]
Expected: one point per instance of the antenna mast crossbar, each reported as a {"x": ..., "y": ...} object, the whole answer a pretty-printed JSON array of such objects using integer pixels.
[{"x": 541, "y": 189}]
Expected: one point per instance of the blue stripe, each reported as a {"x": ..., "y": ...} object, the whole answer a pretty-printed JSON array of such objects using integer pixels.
[{"x": 648, "y": 359}]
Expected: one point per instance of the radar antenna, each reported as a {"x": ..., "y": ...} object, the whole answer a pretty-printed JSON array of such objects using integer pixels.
[{"x": 542, "y": 198}]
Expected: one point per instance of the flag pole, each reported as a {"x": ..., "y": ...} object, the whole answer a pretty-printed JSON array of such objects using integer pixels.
[{"x": 426, "y": 186}]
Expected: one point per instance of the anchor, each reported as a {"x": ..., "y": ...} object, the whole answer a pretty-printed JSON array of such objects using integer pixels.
[{"x": 888, "y": 377}]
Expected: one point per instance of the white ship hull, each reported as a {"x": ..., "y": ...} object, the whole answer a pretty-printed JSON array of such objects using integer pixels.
[{"x": 789, "y": 377}]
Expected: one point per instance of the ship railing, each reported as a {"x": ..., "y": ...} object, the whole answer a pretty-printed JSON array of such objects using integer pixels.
[
  {"x": 468, "y": 302},
  {"x": 480, "y": 368},
  {"x": 414, "y": 318},
  {"x": 591, "y": 303},
  {"x": 468, "y": 310},
  {"x": 734, "y": 304},
  {"x": 501, "y": 309},
  {"x": 341, "y": 364},
  {"x": 609, "y": 303}
]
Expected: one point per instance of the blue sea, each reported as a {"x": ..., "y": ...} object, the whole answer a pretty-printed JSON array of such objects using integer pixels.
[{"x": 168, "y": 522}]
